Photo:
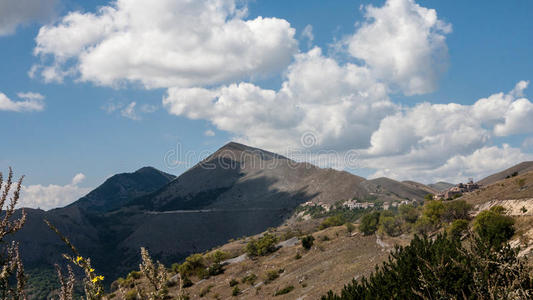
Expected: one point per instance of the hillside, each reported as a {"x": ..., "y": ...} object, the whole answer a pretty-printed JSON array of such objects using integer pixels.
[
  {"x": 335, "y": 258},
  {"x": 237, "y": 191},
  {"x": 520, "y": 168}
]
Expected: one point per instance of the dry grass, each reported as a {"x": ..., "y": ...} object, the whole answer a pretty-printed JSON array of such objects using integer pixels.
[{"x": 328, "y": 264}]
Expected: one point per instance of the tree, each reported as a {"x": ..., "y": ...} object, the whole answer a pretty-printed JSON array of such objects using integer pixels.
[
  {"x": 434, "y": 210},
  {"x": 456, "y": 210},
  {"x": 369, "y": 223},
  {"x": 391, "y": 225},
  {"x": 493, "y": 226},
  {"x": 409, "y": 213}
]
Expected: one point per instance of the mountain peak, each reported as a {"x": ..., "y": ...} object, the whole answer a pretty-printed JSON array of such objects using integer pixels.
[{"x": 237, "y": 149}]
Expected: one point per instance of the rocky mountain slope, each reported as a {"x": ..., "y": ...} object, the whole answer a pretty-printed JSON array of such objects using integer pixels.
[{"x": 237, "y": 191}]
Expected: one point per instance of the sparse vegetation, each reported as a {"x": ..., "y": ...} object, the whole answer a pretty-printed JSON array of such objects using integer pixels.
[
  {"x": 349, "y": 227},
  {"x": 250, "y": 279},
  {"x": 233, "y": 282},
  {"x": 271, "y": 276},
  {"x": 284, "y": 290},
  {"x": 236, "y": 291}
]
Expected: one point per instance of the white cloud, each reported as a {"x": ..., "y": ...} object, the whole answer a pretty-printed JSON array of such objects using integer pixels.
[
  {"x": 341, "y": 104},
  {"x": 307, "y": 34},
  {"x": 31, "y": 102},
  {"x": 129, "y": 112},
  {"x": 209, "y": 132},
  {"x": 78, "y": 178},
  {"x": 52, "y": 196},
  {"x": 404, "y": 44},
  {"x": 165, "y": 43},
  {"x": 458, "y": 168},
  {"x": 18, "y": 12}
]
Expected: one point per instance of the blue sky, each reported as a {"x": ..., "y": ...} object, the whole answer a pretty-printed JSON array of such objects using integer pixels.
[{"x": 83, "y": 122}]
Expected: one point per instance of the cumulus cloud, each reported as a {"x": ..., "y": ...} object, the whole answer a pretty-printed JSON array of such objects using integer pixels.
[
  {"x": 404, "y": 44},
  {"x": 30, "y": 102},
  {"x": 209, "y": 132},
  {"x": 19, "y": 12},
  {"x": 165, "y": 43},
  {"x": 341, "y": 104},
  {"x": 51, "y": 196}
]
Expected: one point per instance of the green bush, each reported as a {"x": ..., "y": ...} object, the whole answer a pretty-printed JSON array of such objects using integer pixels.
[
  {"x": 233, "y": 282},
  {"x": 336, "y": 220},
  {"x": 307, "y": 242},
  {"x": 433, "y": 210},
  {"x": 389, "y": 224},
  {"x": 457, "y": 228},
  {"x": 369, "y": 223},
  {"x": 284, "y": 290},
  {"x": 262, "y": 246},
  {"x": 271, "y": 275},
  {"x": 349, "y": 227},
  {"x": 236, "y": 291},
  {"x": 494, "y": 227}
]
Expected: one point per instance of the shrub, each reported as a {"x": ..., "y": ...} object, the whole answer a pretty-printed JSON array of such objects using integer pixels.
[
  {"x": 457, "y": 228},
  {"x": 521, "y": 182},
  {"x": 236, "y": 291},
  {"x": 262, "y": 246},
  {"x": 271, "y": 275},
  {"x": 369, "y": 223},
  {"x": 428, "y": 197},
  {"x": 349, "y": 227},
  {"x": 298, "y": 256},
  {"x": 336, "y": 220},
  {"x": 233, "y": 282},
  {"x": 390, "y": 225},
  {"x": 494, "y": 227},
  {"x": 284, "y": 290},
  {"x": 307, "y": 242},
  {"x": 131, "y": 295},
  {"x": 250, "y": 278}
]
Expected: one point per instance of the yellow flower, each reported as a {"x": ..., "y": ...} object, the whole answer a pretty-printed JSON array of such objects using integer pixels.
[
  {"x": 91, "y": 270},
  {"x": 78, "y": 259},
  {"x": 98, "y": 278}
]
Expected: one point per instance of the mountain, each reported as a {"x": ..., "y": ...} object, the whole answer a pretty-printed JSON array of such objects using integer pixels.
[
  {"x": 441, "y": 186},
  {"x": 520, "y": 168},
  {"x": 237, "y": 191},
  {"x": 121, "y": 188}
]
